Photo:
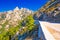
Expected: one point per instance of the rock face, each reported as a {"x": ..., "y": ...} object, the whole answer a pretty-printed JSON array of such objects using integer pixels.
[
  {"x": 52, "y": 17},
  {"x": 50, "y": 12}
]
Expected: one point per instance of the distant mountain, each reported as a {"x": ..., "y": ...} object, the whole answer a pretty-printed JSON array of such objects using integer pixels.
[
  {"x": 15, "y": 22},
  {"x": 13, "y": 16}
]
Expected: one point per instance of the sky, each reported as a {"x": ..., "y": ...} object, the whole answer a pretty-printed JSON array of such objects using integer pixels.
[{"x": 34, "y": 5}]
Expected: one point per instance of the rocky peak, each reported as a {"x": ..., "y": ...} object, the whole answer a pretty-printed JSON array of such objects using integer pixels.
[{"x": 16, "y": 9}]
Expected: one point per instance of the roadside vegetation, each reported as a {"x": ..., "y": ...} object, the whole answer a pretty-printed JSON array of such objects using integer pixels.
[{"x": 6, "y": 33}]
